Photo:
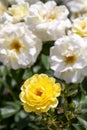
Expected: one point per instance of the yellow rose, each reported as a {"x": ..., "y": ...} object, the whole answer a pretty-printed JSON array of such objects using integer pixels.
[{"x": 39, "y": 93}]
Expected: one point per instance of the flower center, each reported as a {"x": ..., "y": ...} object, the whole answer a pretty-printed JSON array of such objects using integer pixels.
[
  {"x": 50, "y": 17},
  {"x": 84, "y": 26},
  {"x": 70, "y": 59},
  {"x": 38, "y": 93},
  {"x": 16, "y": 45}
]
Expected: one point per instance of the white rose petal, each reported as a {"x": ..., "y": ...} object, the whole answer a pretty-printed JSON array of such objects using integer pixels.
[{"x": 6, "y": 18}]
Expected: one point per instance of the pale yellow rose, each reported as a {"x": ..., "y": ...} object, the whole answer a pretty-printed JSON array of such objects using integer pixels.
[
  {"x": 80, "y": 26},
  {"x": 39, "y": 93},
  {"x": 19, "y": 11}
]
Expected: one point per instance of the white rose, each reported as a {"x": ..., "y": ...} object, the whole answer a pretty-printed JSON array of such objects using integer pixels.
[
  {"x": 68, "y": 58},
  {"x": 47, "y": 20},
  {"x": 79, "y": 26},
  {"x": 19, "y": 12},
  {"x": 19, "y": 47}
]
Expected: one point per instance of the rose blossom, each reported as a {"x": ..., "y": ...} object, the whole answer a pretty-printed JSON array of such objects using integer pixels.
[
  {"x": 19, "y": 47},
  {"x": 47, "y": 20},
  {"x": 68, "y": 58},
  {"x": 39, "y": 93}
]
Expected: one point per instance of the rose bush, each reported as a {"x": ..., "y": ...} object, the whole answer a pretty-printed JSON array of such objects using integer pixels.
[{"x": 43, "y": 66}]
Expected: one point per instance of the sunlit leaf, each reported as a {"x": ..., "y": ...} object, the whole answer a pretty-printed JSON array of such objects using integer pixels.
[
  {"x": 83, "y": 122},
  {"x": 9, "y": 109}
]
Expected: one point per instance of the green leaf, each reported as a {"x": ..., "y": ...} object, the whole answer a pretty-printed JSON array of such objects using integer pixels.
[
  {"x": 17, "y": 74},
  {"x": 27, "y": 73},
  {"x": 2, "y": 127},
  {"x": 83, "y": 122},
  {"x": 9, "y": 109},
  {"x": 49, "y": 73},
  {"x": 45, "y": 61},
  {"x": 84, "y": 110},
  {"x": 84, "y": 85},
  {"x": 78, "y": 127}
]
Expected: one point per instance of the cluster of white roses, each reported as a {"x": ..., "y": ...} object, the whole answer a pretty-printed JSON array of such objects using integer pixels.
[
  {"x": 25, "y": 24},
  {"x": 69, "y": 53}
]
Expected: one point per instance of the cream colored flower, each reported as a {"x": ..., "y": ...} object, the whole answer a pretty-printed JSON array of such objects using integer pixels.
[
  {"x": 19, "y": 11},
  {"x": 47, "y": 20},
  {"x": 68, "y": 58},
  {"x": 39, "y": 93},
  {"x": 19, "y": 47},
  {"x": 79, "y": 26},
  {"x": 15, "y": 13}
]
